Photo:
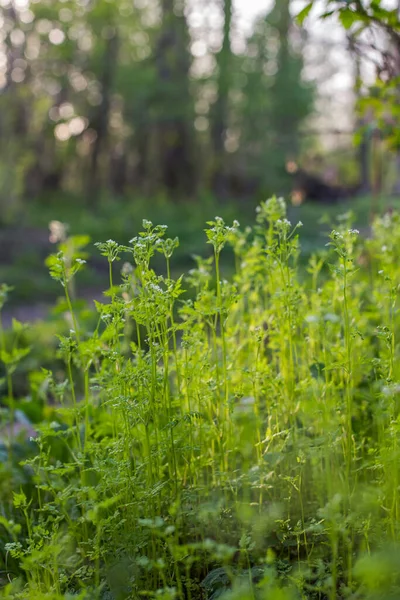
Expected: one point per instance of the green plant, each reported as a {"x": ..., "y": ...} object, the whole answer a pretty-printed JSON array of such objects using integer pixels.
[{"x": 237, "y": 441}]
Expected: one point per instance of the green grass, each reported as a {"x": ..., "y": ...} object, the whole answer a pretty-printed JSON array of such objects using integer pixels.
[
  {"x": 112, "y": 219},
  {"x": 118, "y": 219},
  {"x": 239, "y": 438}
]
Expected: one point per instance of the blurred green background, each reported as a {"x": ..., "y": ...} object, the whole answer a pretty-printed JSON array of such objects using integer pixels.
[{"x": 175, "y": 110}]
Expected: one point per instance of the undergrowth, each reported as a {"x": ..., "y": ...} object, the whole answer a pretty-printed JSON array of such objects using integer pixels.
[{"x": 208, "y": 438}]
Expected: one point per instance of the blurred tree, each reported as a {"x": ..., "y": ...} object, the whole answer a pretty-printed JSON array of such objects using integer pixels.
[
  {"x": 275, "y": 99},
  {"x": 364, "y": 147},
  {"x": 220, "y": 109},
  {"x": 105, "y": 57},
  {"x": 102, "y": 97},
  {"x": 291, "y": 99},
  {"x": 16, "y": 155},
  {"x": 172, "y": 102},
  {"x": 374, "y": 28}
]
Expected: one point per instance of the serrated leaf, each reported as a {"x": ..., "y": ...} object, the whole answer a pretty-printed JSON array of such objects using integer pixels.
[{"x": 19, "y": 499}]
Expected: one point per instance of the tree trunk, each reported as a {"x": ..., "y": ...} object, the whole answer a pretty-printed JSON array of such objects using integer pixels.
[
  {"x": 396, "y": 186},
  {"x": 364, "y": 147},
  {"x": 220, "y": 112},
  {"x": 101, "y": 119},
  {"x": 283, "y": 124},
  {"x": 172, "y": 98}
]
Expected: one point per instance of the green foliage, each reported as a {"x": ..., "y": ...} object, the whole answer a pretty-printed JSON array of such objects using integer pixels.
[
  {"x": 102, "y": 98},
  {"x": 237, "y": 441},
  {"x": 275, "y": 99},
  {"x": 360, "y": 17},
  {"x": 365, "y": 13}
]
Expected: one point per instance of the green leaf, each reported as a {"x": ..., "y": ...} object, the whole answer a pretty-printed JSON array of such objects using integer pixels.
[
  {"x": 348, "y": 17},
  {"x": 327, "y": 14},
  {"x": 19, "y": 500},
  {"x": 303, "y": 14},
  {"x": 17, "y": 326},
  {"x": 13, "y": 357}
]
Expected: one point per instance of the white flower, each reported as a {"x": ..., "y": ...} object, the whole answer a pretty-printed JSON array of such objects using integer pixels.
[
  {"x": 127, "y": 269},
  {"x": 58, "y": 232}
]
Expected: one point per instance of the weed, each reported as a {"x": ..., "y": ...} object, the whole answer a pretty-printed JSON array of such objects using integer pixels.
[{"x": 211, "y": 438}]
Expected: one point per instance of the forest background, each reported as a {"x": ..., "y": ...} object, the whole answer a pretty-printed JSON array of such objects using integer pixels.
[{"x": 115, "y": 110}]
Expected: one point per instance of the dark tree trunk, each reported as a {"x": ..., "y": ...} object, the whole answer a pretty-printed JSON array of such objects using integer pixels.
[
  {"x": 283, "y": 124},
  {"x": 174, "y": 152},
  {"x": 118, "y": 171},
  {"x": 101, "y": 119},
  {"x": 220, "y": 112}
]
